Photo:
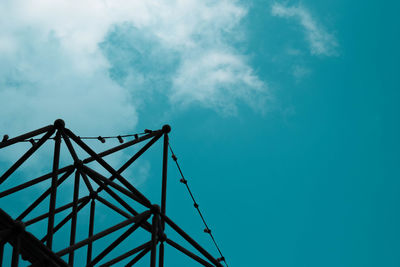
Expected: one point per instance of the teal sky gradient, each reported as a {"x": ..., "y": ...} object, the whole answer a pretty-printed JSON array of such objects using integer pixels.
[{"x": 313, "y": 178}]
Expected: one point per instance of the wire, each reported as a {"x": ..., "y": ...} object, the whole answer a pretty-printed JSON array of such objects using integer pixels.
[
  {"x": 100, "y": 138},
  {"x": 196, "y": 205}
]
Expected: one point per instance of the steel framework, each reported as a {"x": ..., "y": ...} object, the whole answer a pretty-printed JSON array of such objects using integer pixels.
[{"x": 39, "y": 251}]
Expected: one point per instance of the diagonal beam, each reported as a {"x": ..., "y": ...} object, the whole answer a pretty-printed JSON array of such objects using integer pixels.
[
  {"x": 118, "y": 241},
  {"x": 32, "y": 182},
  {"x": 126, "y": 255},
  {"x": 191, "y": 240},
  {"x": 110, "y": 169},
  {"x": 123, "y": 146},
  {"x": 104, "y": 233},
  {"x": 43, "y": 196},
  {"x": 95, "y": 175},
  {"x": 26, "y": 136},
  {"x": 57, "y": 210},
  {"x": 113, "y": 207},
  {"x": 115, "y": 196},
  {"x": 139, "y": 256},
  {"x": 188, "y": 253},
  {"x": 66, "y": 219},
  {"x": 26, "y": 156}
]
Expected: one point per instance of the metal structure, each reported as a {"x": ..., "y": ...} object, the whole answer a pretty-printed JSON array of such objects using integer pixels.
[{"x": 40, "y": 251}]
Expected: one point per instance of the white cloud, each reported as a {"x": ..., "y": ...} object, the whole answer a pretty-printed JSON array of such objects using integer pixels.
[
  {"x": 300, "y": 71},
  {"x": 320, "y": 41},
  {"x": 218, "y": 79},
  {"x": 51, "y": 63}
]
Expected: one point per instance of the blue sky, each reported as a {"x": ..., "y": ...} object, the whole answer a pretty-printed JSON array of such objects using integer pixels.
[{"x": 284, "y": 114}]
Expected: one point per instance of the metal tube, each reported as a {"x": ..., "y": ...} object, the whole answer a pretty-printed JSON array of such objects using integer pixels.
[
  {"x": 137, "y": 155},
  {"x": 191, "y": 241},
  {"x": 26, "y": 136},
  {"x": 188, "y": 253},
  {"x": 1, "y": 254},
  {"x": 164, "y": 178},
  {"x": 87, "y": 182},
  {"x": 112, "y": 206},
  {"x": 32, "y": 182},
  {"x": 145, "y": 225},
  {"x": 138, "y": 257},
  {"x": 126, "y": 255},
  {"x": 53, "y": 190},
  {"x": 123, "y": 146},
  {"x": 93, "y": 174},
  {"x": 118, "y": 241},
  {"x": 154, "y": 240},
  {"x": 103, "y": 233},
  {"x": 69, "y": 146},
  {"x": 112, "y": 194},
  {"x": 85, "y": 147},
  {"x": 74, "y": 219},
  {"x": 65, "y": 220},
  {"x": 25, "y": 156},
  {"x": 161, "y": 256},
  {"x": 91, "y": 228},
  {"x": 62, "y": 208},
  {"x": 15, "y": 251},
  {"x": 43, "y": 196}
]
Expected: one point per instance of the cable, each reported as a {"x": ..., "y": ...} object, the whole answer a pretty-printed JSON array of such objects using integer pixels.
[
  {"x": 196, "y": 205},
  {"x": 100, "y": 138}
]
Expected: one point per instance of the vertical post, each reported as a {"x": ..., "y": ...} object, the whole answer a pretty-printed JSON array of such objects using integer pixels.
[
  {"x": 154, "y": 240},
  {"x": 53, "y": 190},
  {"x": 1, "y": 253},
  {"x": 166, "y": 130},
  {"x": 91, "y": 227},
  {"x": 15, "y": 252},
  {"x": 73, "y": 219},
  {"x": 161, "y": 257},
  {"x": 164, "y": 176}
]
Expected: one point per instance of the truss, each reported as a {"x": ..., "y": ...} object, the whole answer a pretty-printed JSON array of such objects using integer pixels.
[{"x": 113, "y": 191}]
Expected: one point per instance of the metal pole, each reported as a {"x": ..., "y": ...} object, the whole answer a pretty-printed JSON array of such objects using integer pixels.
[
  {"x": 25, "y": 156},
  {"x": 118, "y": 241},
  {"x": 53, "y": 193},
  {"x": 91, "y": 228},
  {"x": 57, "y": 210},
  {"x": 143, "y": 200},
  {"x": 15, "y": 252},
  {"x": 103, "y": 233},
  {"x": 43, "y": 196},
  {"x": 74, "y": 219},
  {"x": 188, "y": 253},
  {"x": 25, "y": 136},
  {"x": 154, "y": 240},
  {"x": 139, "y": 256},
  {"x": 32, "y": 182},
  {"x": 166, "y": 129},
  {"x": 126, "y": 255},
  {"x": 191, "y": 241}
]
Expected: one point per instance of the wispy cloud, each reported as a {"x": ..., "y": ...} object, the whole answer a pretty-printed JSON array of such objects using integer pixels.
[
  {"x": 320, "y": 41},
  {"x": 57, "y": 60}
]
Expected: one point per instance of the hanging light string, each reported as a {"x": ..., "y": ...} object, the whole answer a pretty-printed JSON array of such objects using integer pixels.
[
  {"x": 102, "y": 139},
  {"x": 207, "y": 230}
]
